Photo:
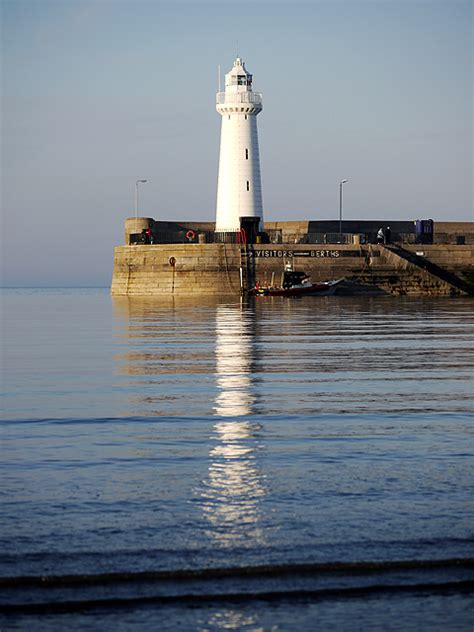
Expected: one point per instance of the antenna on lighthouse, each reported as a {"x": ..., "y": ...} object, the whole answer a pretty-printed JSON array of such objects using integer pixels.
[{"x": 218, "y": 78}]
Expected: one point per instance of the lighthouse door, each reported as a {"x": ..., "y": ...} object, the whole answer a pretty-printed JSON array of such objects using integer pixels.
[{"x": 251, "y": 227}]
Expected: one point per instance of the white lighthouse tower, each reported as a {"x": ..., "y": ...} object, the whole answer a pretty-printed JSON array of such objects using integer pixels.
[{"x": 239, "y": 189}]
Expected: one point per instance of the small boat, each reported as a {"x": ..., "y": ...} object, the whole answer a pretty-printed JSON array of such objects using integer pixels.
[{"x": 295, "y": 283}]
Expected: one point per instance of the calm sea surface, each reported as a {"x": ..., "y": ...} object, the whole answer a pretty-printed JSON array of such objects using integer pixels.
[{"x": 221, "y": 465}]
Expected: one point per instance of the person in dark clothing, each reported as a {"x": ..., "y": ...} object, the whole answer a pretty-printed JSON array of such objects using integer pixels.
[{"x": 388, "y": 235}]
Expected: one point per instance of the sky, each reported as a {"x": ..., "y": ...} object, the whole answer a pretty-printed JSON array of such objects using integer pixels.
[{"x": 96, "y": 94}]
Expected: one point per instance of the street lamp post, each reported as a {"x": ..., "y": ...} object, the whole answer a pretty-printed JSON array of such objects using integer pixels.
[
  {"x": 340, "y": 205},
  {"x": 136, "y": 197}
]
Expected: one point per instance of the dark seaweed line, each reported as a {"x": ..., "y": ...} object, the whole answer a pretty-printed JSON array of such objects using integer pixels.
[
  {"x": 193, "y": 599},
  {"x": 364, "y": 568}
]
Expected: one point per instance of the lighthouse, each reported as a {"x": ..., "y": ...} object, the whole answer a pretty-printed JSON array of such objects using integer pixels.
[{"x": 239, "y": 189}]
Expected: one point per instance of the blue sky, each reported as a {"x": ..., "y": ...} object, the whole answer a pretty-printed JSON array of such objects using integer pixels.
[{"x": 98, "y": 94}]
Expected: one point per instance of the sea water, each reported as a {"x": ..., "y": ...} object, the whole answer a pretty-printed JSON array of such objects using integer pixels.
[{"x": 270, "y": 464}]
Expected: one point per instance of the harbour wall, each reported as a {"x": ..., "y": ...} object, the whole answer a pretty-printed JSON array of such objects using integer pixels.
[
  {"x": 293, "y": 232},
  {"x": 215, "y": 269},
  {"x": 402, "y": 231},
  {"x": 176, "y": 269}
]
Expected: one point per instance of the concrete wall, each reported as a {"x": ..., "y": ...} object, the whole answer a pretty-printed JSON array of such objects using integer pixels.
[
  {"x": 159, "y": 228},
  {"x": 214, "y": 269},
  {"x": 368, "y": 265},
  {"x": 322, "y": 263},
  {"x": 449, "y": 232},
  {"x": 456, "y": 259},
  {"x": 398, "y": 276},
  {"x": 444, "y": 232},
  {"x": 297, "y": 231},
  {"x": 449, "y": 256},
  {"x": 198, "y": 269}
]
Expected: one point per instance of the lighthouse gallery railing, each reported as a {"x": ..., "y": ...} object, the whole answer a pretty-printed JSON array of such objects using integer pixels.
[{"x": 239, "y": 97}]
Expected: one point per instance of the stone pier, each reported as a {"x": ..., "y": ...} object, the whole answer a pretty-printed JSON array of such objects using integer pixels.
[{"x": 215, "y": 269}]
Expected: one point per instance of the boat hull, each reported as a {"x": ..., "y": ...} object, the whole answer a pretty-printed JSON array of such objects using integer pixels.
[{"x": 314, "y": 289}]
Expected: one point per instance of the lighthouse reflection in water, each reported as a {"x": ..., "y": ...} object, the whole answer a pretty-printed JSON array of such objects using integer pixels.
[{"x": 234, "y": 489}]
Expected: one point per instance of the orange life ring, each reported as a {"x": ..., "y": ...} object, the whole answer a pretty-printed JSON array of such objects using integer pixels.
[{"x": 190, "y": 234}]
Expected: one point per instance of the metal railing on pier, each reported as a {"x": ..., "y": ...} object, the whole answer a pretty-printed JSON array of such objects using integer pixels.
[
  {"x": 272, "y": 236},
  {"x": 235, "y": 237},
  {"x": 277, "y": 237}
]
